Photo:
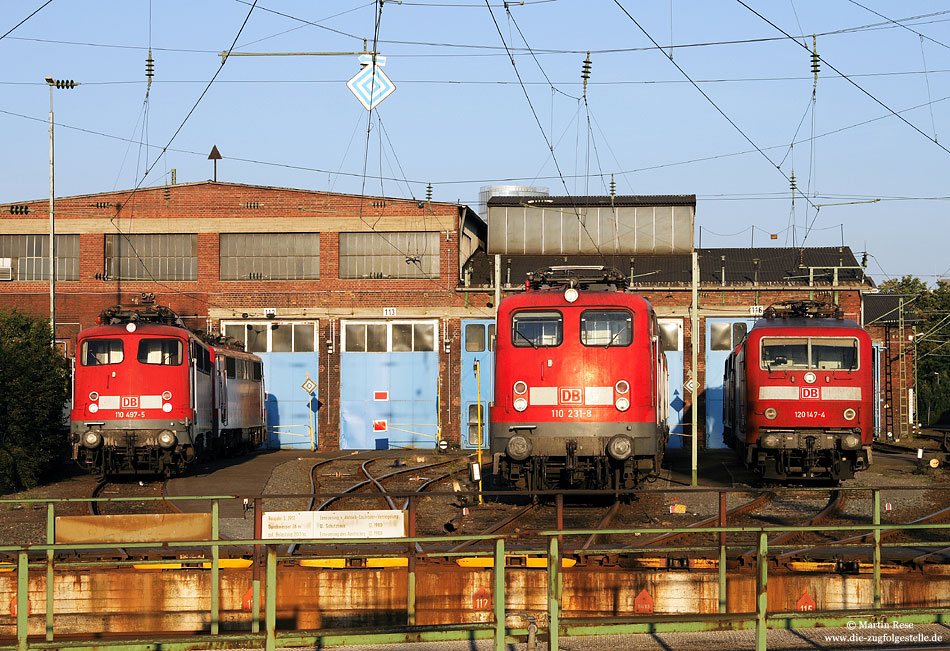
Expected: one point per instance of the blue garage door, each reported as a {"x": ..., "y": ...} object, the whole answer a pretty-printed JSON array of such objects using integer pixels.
[
  {"x": 478, "y": 345},
  {"x": 290, "y": 356},
  {"x": 389, "y": 377},
  {"x": 671, "y": 331},
  {"x": 722, "y": 336}
]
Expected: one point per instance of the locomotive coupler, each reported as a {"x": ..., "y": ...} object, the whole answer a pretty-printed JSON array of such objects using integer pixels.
[{"x": 570, "y": 459}]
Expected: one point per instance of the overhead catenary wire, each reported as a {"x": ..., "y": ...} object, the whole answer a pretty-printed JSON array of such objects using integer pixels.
[
  {"x": 33, "y": 13},
  {"x": 537, "y": 119},
  {"x": 708, "y": 98},
  {"x": 499, "y": 51},
  {"x": 161, "y": 155},
  {"x": 849, "y": 80}
]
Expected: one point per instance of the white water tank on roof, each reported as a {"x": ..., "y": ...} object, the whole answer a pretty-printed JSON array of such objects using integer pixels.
[{"x": 486, "y": 192}]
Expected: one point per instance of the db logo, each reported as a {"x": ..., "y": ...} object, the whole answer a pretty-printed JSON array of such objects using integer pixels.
[
  {"x": 130, "y": 402},
  {"x": 809, "y": 393},
  {"x": 569, "y": 396}
]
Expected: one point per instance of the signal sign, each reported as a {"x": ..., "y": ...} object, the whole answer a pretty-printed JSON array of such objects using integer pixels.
[{"x": 371, "y": 85}]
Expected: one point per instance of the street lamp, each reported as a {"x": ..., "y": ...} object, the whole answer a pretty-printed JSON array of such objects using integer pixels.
[{"x": 53, "y": 83}]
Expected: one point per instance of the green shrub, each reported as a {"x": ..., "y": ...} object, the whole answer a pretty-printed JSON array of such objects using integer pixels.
[{"x": 34, "y": 385}]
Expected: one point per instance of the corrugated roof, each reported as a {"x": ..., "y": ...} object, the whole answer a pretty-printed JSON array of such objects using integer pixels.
[
  {"x": 618, "y": 200},
  {"x": 884, "y": 309},
  {"x": 776, "y": 266}
]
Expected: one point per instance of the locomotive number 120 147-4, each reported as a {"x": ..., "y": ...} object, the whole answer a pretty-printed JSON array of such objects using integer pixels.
[
  {"x": 571, "y": 413},
  {"x": 809, "y": 414}
]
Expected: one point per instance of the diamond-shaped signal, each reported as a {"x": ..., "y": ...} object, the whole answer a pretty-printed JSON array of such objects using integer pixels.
[
  {"x": 309, "y": 385},
  {"x": 371, "y": 85}
]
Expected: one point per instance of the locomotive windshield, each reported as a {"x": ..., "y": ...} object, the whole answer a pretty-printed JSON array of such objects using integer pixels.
[
  {"x": 820, "y": 353},
  {"x": 606, "y": 328},
  {"x": 96, "y": 352},
  {"x": 536, "y": 329},
  {"x": 166, "y": 352}
]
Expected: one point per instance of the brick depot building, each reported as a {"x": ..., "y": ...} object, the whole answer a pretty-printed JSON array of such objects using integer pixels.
[{"x": 387, "y": 304}]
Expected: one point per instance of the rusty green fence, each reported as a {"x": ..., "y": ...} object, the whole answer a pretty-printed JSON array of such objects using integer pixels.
[{"x": 263, "y": 630}]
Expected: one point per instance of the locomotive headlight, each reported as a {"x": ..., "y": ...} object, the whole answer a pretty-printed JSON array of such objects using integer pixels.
[
  {"x": 167, "y": 407},
  {"x": 620, "y": 447},
  {"x": 571, "y": 294},
  {"x": 851, "y": 442},
  {"x": 849, "y": 414},
  {"x": 771, "y": 441},
  {"x": 622, "y": 386},
  {"x": 521, "y": 404},
  {"x": 771, "y": 413},
  {"x": 810, "y": 377},
  {"x": 166, "y": 395},
  {"x": 622, "y": 404},
  {"x": 518, "y": 448},
  {"x": 93, "y": 396},
  {"x": 130, "y": 327},
  {"x": 520, "y": 387},
  {"x": 167, "y": 439},
  {"x": 93, "y": 408},
  {"x": 91, "y": 440}
]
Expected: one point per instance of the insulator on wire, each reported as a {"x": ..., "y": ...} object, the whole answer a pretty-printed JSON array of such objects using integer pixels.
[
  {"x": 429, "y": 192},
  {"x": 585, "y": 71},
  {"x": 792, "y": 184},
  {"x": 149, "y": 66}
]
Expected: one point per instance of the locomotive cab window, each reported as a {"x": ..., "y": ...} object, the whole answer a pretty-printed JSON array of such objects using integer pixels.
[
  {"x": 606, "y": 328},
  {"x": 537, "y": 329},
  {"x": 97, "y": 352},
  {"x": 835, "y": 354},
  {"x": 230, "y": 367},
  {"x": 820, "y": 353},
  {"x": 164, "y": 352}
]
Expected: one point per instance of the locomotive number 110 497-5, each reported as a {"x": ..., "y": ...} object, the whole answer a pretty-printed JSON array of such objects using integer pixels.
[{"x": 571, "y": 413}]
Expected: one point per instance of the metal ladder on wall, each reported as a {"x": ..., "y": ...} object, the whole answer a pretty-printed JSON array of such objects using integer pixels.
[{"x": 903, "y": 411}]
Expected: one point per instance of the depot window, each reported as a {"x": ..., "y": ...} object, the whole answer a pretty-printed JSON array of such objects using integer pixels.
[
  {"x": 26, "y": 257},
  {"x": 816, "y": 353},
  {"x": 98, "y": 352},
  {"x": 537, "y": 329},
  {"x": 164, "y": 352},
  {"x": 389, "y": 337},
  {"x": 152, "y": 256},
  {"x": 606, "y": 328},
  {"x": 389, "y": 255},
  {"x": 270, "y": 256},
  {"x": 273, "y": 337}
]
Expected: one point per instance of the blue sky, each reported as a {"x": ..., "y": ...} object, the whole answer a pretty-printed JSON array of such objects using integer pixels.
[{"x": 463, "y": 116}]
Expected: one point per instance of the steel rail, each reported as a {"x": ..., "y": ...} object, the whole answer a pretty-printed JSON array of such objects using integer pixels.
[{"x": 749, "y": 507}]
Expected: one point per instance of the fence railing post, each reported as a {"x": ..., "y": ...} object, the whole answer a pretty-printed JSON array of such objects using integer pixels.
[
  {"x": 215, "y": 569},
  {"x": 256, "y": 571},
  {"x": 722, "y": 553},
  {"x": 50, "y": 540},
  {"x": 761, "y": 592},
  {"x": 554, "y": 593},
  {"x": 270, "y": 600},
  {"x": 876, "y": 519},
  {"x": 499, "y": 594},
  {"x": 22, "y": 600}
]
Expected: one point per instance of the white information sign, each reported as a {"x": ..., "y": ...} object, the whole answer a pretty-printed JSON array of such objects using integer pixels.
[{"x": 333, "y": 524}]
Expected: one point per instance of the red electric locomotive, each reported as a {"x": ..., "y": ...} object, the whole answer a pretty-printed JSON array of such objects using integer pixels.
[
  {"x": 799, "y": 394},
  {"x": 580, "y": 384},
  {"x": 149, "y": 395}
]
